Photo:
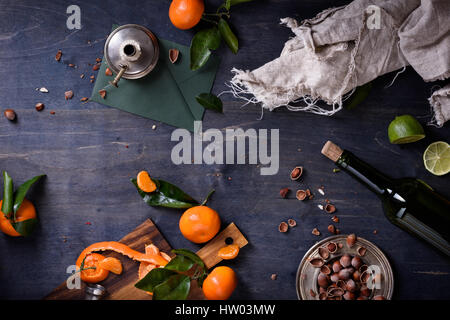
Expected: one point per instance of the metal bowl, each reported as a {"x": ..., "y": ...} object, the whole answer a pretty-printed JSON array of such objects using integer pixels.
[{"x": 307, "y": 274}]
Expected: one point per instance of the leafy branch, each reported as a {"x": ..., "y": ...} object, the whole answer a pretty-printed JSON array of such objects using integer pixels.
[
  {"x": 210, "y": 39},
  {"x": 173, "y": 282}
]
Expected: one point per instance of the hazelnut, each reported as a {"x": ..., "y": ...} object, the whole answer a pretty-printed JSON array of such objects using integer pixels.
[
  {"x": 296, "y": 173},
  {"x": 351, "y": 285},
  {"x": 351, "y": 240},
  {"x": 346, "y": 260},
  {"x": 344, "y": 274},
  {"x": 334, "y": 277},
  {"x": 349, "y": 296},
  {"x": 10, "y": 114},
  {"x": 39, "y": 106},
  {"x": 284, "y": 192},
  {"x": 323, "y": 280},
  {"x": 336, "y": 266},
  {"x": 356, "y": 262}
]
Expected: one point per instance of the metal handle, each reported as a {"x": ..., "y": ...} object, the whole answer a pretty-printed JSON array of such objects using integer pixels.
[{"x": 118, "y": 76}]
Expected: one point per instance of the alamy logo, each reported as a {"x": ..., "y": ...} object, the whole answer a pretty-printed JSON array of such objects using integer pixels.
[
  {"x": 374, "y": 17},
  {"x": 218, "y": 141},
  {"x": 74, "y": 20}
]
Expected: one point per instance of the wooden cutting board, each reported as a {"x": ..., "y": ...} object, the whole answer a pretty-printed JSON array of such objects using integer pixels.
[{"x": 121, "y": 287}]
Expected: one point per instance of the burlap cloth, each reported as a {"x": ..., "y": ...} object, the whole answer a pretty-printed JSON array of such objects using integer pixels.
[{"x": 345, "y": 47}]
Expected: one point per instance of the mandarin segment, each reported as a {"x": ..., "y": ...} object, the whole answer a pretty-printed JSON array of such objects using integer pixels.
[{"x": 145, "y": 183}]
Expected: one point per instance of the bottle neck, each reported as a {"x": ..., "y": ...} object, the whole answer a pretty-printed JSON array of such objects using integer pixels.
[{"x": 364, "y": 173}]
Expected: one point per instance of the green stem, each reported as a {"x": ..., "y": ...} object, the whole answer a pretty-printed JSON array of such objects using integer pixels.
[
  {"x": 209, "y": 20},
  {"x": 207, "y": 197},
  {"x": 218, "y": 14}
]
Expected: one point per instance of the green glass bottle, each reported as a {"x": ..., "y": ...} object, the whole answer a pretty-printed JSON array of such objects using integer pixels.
[{"x": 408, "y": 203}]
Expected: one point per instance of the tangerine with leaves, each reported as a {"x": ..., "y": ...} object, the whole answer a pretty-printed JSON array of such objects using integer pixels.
[
  {"x": 26, "y": 211},
  {"x": 199, "y": 224},
  {"x": 220, "y": 283},
  {"x": 185, "y": 14}
]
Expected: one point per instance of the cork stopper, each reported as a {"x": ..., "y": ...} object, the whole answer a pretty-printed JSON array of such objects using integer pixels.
[{"x": 332, "y": 151}]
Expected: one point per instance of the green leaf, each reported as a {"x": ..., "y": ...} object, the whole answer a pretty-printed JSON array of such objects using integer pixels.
[
  {"x": 226, "y": 5},
  {"x": 26, "y": 227},
  {"x": 360, "y": 94},
  {"x": 210, "y": 101},
  {"x": 202, "y": 43},
  {"x": 191, "y": 255},
  {"x": 167, "y": 195},
  {"x": 7, "y": 204},
  {"x": 21, "y": 192},
  {"x": 154, "y": 278},
  {"x": 179, "y": 263},
  {"x": 228, "y": 35},
  {"x": 175, "y": 288},
  {"x": 235, "y": 2}
]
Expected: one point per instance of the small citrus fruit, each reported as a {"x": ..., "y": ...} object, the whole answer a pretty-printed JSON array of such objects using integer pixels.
[
  {"x": 111, "y": 264},
  {"x": 185, "y": 14},
  {"x": 26, "y": 211},
  {"x": 92, "y": 272},
  {"x": 405, "y": 129},
  {"x": 436, "y": 158},
  {"x": 220, "y": 283},
  {"x": 199, "y": 224},
  {"x": 229, "y": 252},
  {"x": 145, "y": 183}
]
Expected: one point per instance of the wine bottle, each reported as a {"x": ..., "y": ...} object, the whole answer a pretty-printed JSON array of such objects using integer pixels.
[{"x": 408, "y": 203}]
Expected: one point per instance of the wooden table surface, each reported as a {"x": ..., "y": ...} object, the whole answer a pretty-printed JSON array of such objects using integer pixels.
[{"x": 89, "y": 152}]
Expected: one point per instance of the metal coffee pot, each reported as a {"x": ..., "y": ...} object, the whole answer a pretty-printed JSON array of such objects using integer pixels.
[{"x": 131, "y": 52}]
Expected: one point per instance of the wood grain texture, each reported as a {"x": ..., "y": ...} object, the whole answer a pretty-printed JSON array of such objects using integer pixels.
[
  {"x": 121, "y": 287},
  {"x": 83, "y": 150},
  {"x": 209, "y": 252}
]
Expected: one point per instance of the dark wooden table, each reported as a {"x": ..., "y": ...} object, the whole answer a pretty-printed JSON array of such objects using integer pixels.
[{"x": 90, "y": 151}]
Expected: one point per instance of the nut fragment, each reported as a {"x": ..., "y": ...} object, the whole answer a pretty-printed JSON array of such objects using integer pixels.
[
  {"x": 39, "y": 106},
  {"x": 323, "y": 280},
  {"x": 324, "y": 253},
  {"x": 333, "y": 292},
  {"x": 84, "y": 99},
  {"x": 335, "y": 219},
  {"x": 108, "y": 72},
  {"x": 96, "y": 67},
  {"x": 323, "y": 296},
  {"x": 10, "y": 114},
  {"x": 173, "y": 55},
  {"x": 309, "y": 194},
  {"x": 296, "y": 173},
  {"x": 331, "y": 229},
  {"x": 283, "y": 227},
  {"x": 321, "y": 191},
  {"x": 58, "y": 55},
  {"x": 325, "y": 269},
  {"x": 315, "y": 232},
  {"x": 98, "y": 60},
  {"x": 292, "y": 223},
  {"x": 351, "y": 240},
  {"x": 317, "y": 262},
  {"x": 68, "y": 94},
  {"x": 102, "y": 93},
  {"x": 332, "y": 247},
  {"x": 300, "y": 195},
  {"x": 284, "y": 192},
  {"x": 43, "y": 90},
  {"x": 273, "y": 276},
  {"x": 361, "y": 251},
  {"x": 329, "y": 208},
  {"x": 312, "y": 293}
]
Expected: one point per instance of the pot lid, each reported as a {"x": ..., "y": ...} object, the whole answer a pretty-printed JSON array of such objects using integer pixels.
[{"x": 134, "y": 48}]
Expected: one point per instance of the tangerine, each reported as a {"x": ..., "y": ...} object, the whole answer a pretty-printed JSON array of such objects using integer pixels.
[
  {"x": 185, "y": 14},
  {"x": 220, "y": 283},
  {"x": 199, "y": 224},
  {"x": 26, "y": 211},
  {"x": 92, "y": 272}
]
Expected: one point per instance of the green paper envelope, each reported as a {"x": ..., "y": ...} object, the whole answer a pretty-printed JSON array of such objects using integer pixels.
[{"x": 166, "y": 94}]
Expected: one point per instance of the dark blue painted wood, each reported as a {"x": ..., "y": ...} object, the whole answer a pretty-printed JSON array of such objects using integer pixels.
[{"x": 82, "y": 148}]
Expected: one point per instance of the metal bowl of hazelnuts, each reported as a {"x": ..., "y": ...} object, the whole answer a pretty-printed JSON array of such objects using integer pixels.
[{"x": 344, "y": 267}]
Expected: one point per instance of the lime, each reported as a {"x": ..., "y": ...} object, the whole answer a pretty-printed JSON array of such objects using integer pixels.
[
  {"x": 436, "y": 158},
  {"x": 405, "y": 129}
]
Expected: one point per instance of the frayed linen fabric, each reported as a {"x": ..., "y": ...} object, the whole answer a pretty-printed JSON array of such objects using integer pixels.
[{"x": 346, "y": 47}]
